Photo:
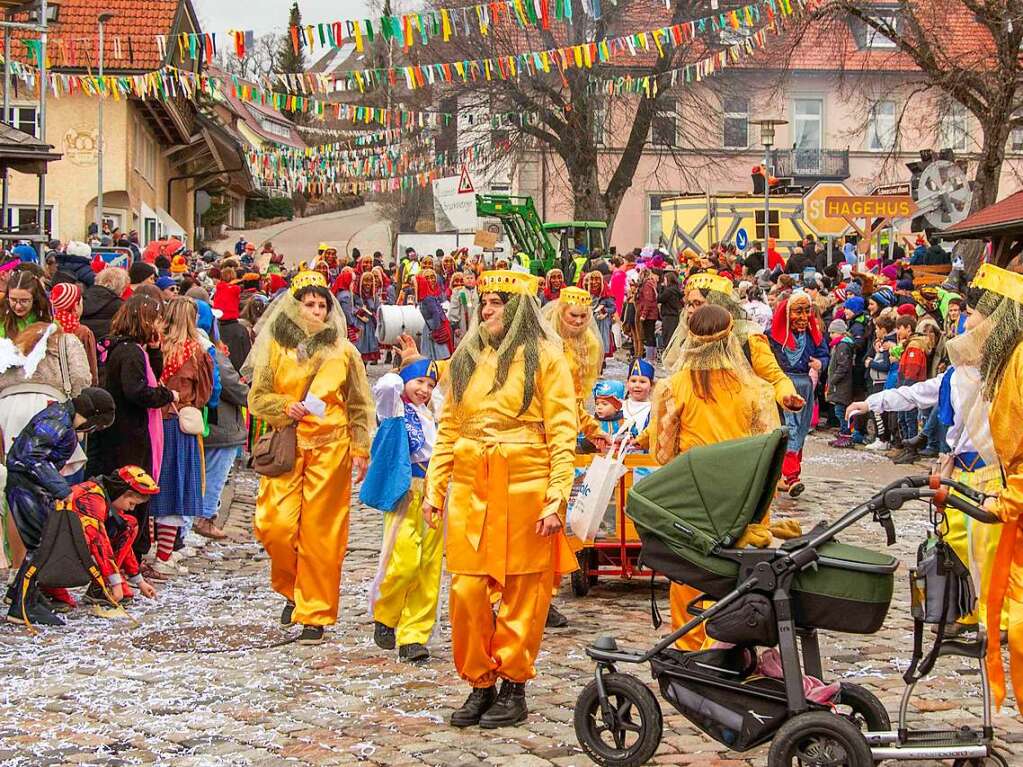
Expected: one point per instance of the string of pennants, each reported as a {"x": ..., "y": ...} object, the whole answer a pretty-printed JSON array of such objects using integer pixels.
[
  {"x": 409, "y": 29},
  {"x": 650, "y": 86},
  {"x": 583, "y": 56}
]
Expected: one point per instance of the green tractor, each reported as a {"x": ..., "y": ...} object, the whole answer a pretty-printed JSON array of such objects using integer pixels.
[{"x": 549, "y": 246}]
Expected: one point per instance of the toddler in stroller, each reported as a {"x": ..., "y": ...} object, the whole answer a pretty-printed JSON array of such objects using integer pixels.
[{"x": 689, "y": 521}]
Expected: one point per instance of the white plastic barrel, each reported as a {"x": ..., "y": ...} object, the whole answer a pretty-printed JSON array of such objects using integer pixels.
[{"x": 392, "y": 321}]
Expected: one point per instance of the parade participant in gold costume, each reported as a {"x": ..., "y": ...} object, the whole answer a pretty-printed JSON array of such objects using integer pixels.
[
  {"x": 571, "y": 317},
  {"x": 999, "y": 339},
  {"x": 302, "y": 362},
  {"x": 504, "y": 459},
  {"x": 713, "y": 395}
]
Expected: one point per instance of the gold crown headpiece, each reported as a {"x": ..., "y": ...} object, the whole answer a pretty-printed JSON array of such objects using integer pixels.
[
  {"x": 507, "y": 281},
  {"x": 307, "y": 278},
  {"x": 1000, "y": 281},
  {"x": 709, "y": 281},
  {"x": 573, "y": 296}
]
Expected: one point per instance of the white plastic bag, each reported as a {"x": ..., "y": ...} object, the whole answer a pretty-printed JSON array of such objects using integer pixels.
[{"x": 596, "y": 492}]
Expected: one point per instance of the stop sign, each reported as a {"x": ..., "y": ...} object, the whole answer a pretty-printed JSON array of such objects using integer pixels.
[{"x": 814, "y": 209}]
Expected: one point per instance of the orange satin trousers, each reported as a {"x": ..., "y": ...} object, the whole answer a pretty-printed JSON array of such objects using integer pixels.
[
  {"x": 486, "y": 648},
  {"x": 302, "y": 522}
]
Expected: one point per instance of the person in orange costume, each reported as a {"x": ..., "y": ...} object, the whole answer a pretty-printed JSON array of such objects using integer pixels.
[
  {"x": 302, "y": 349},
  {"x": 505, "y": 446},
  {"x": 999, "y": 339},
  {"x": 713, "y": 395}
]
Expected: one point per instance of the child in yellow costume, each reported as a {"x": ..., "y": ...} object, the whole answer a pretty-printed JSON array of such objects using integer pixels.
[
  {"x": 405, "y": 593},
  {"x": 571, "y": 316},
  {"x": 302, "y": 359},
  {"x": 713, "y": 396},
  {"x": 999, "y": 339},
  {"x": 504, "y": 460}
]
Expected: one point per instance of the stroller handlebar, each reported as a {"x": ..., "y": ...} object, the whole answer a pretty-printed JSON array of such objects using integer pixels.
[{"x": 936, "y": 490}]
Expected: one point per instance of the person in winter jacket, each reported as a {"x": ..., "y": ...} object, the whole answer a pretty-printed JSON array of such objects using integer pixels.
[
  {"x": 76, "y": 261},
  {"x": 103, "y": 299},
  {"x": 646, "y": 308},
  {"x": 227, "y": 430},
  {"x": 236, "y": 338},
  {"x": 35, "y": 483},
  {"x": 134, "y": 364},
  {"x": 670, "y": 302},
  {"x": 839, "y": 390}
]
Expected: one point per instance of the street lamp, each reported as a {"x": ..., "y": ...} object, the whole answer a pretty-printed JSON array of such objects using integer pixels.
[
  {"x": 767, "y": 126},
  {"x": 102, "y": 19}
]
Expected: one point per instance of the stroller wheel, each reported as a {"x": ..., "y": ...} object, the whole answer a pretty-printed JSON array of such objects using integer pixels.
[
  {"x": 819, "y": 739},
  {"x": 633, "y": 733},
  {"x": 581, "y": 578},
  {"x": 861, "y": 707}
]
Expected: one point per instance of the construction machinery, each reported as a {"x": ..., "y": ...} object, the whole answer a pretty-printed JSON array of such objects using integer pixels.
[{"x": 547, "y": 246}]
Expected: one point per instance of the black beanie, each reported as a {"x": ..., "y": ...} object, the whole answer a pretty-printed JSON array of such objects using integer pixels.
[
  {"x": 140, "y": 271},
  {"x": 96, "y": 406}
]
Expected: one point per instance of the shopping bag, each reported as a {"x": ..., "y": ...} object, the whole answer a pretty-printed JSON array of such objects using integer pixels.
[
  {"x": 596, "y": 491},
  {"x": 390, "y": 466}
]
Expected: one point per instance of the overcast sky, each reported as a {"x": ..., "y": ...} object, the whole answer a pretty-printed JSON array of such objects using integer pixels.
[{"x": 272, "y": 15}]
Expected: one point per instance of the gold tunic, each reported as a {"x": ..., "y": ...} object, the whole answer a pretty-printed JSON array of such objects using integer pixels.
[{"x": 506, "y": 470}]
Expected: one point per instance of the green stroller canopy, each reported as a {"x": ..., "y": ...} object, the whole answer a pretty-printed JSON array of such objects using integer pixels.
[{"x": 708, "y": 495}]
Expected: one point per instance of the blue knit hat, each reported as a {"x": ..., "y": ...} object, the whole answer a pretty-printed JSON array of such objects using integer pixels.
[
  {"x": 884, "y": 297},
  {"x": 855, "y": 304}
]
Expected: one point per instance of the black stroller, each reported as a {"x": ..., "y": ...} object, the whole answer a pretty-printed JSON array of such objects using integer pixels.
[{"x": 689, "y": 514}]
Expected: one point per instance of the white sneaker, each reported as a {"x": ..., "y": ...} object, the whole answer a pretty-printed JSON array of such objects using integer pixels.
[
  {"x": 169, "y": 568},
  {"x": 183, "y": 553},
  {"x": 876, "y": 445}
]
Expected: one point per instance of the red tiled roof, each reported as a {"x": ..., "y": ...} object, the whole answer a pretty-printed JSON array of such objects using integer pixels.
[
  {"x": 130, "y": 35},
  {"x": 1000, "y": 215}
]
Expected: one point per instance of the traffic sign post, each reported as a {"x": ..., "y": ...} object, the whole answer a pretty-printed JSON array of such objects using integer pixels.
[
  {"x": 815, "y": 212},
  {"x": 742, "y": 240}
]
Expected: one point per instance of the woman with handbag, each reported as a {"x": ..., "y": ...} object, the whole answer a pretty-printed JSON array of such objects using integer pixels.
[
  {"x": 134, "y": 363},
  {"x": 506, "y": 446},
  {"x": 302, "y": 362},
  {"x": 188, "y": 371}
]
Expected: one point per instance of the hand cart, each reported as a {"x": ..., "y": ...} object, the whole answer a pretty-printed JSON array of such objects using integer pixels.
[{"x": 615, "y": 550}]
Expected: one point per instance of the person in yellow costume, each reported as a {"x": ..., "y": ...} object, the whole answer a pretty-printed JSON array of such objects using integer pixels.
[
  {"x": 571, "y": 316},
  {"x": 713, "y": 395},
  {"x": 999, "y": 339},
  {"x": 709, "y": 288},
  {"x": 304, "y": 370},
  {"x": 504, "y": 460},
  {"x": 404, "y": 594}
]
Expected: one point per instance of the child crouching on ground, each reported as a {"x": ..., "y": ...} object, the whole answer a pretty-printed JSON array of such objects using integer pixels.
[{"x": 404, "y": 594}]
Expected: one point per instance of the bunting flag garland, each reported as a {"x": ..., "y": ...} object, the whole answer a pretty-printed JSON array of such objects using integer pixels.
[
  {"x": 583, "y": 56},
  {"x": 649, "y": 86},
  {"x": 419, "y": 28}
]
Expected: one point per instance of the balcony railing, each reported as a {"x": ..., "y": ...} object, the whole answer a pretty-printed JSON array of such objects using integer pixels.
[{"x": 816, "y": 164}]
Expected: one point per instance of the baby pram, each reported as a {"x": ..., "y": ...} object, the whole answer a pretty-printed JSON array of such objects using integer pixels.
[{"x": 689, "y": 515}]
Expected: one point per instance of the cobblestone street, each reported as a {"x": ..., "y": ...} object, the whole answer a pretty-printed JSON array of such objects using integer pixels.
[{"x": 187, "y": 686}]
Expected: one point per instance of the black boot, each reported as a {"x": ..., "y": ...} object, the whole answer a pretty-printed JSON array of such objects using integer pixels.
[
  {"x": 287, "y": 614},
  {"x": 383, "y": 636},
  {"x": 916, "y": 442},
  {"x": 413, "y": 653},
  {"x": 31, "y": 608},
  {"x": 480, "y": 700},
  {"x": 509, "y": 709},
  {"x": 555, "y": 620}
]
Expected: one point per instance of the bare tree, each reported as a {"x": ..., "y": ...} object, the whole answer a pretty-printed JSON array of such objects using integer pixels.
[
  {"x": 959, "y": 52},
  {"x": 258, "y": 62},
  {"x": 596, "y": 140}
]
